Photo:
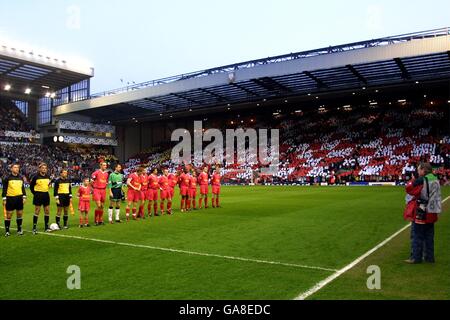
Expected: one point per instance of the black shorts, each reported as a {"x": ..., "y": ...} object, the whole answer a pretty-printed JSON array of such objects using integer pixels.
[
  {"x": 14, "y": 203},
  {"x": 41, "y": 199},
  {"x": 64, "y": 200},
  {"x": 117, "y": 195}
]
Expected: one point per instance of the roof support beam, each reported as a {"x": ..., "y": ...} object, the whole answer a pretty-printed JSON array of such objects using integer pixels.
[
  {"x": 166, "y": 105},
  {"x": 320, "y": 83},
  {"x": 401, "y": 66},
  {"x": 185, "y": 98},
  {"x": 357, "y": 74},
  {"x": 218, "y": 96},
  {"x": 271, "y": 85},
  {"x": 145, "y": 107},
  {"x": 20, "y": 65},
  {"x": 250, "y": 92}
]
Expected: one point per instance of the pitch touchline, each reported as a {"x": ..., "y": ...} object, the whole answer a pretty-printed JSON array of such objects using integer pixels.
[
  {"x": 318, "y": 286},
  {"x": 187, "y": 252}
]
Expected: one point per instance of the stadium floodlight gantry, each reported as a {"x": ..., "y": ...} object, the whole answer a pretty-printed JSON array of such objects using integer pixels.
[
  {"x": 42, "y": 79},
  {"x": 403, "y": 59},
  {"x": 20, "y": 69}
]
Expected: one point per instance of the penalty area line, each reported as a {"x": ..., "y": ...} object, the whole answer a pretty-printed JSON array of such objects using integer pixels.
[
  {"x": 194, "y": 253},
  {"x": 318, "y": 286}
]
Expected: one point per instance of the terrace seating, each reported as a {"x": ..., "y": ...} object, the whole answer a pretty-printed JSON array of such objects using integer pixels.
[{"x": 360, "y": 145}]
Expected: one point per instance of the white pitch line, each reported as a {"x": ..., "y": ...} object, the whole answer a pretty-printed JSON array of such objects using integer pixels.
[
  {"x": 187, "y": 252},
  {"x": 318, "y": 286}
]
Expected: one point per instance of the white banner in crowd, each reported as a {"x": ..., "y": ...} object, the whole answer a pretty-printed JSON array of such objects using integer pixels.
[{"x": 14, "y": 134}]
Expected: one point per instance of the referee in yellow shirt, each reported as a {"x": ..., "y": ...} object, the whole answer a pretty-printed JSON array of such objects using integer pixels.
[
  {"x": 14, "y": 197},
  {"x": 39, "y": 187},
  {"x": 63, "y": 197}
]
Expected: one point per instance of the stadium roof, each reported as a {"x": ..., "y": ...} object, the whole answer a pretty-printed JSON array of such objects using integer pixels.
[
  {"x": 422, "y": 56},
  {"x": 25, "y": 68}
]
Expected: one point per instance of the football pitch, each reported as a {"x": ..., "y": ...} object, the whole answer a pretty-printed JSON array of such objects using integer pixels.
[{"x": 265, "y": 243}]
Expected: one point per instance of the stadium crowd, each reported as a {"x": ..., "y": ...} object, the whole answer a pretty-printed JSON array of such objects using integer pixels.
[
  {"x": 376, "y": 144},
  {"x": 12, "y": 119},
  {"x": 79, "y": 161}
]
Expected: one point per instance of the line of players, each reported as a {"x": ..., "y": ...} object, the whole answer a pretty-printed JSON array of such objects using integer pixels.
[
  {"x": 150, "y": 188},
  {"x": 142, "y": 188}
]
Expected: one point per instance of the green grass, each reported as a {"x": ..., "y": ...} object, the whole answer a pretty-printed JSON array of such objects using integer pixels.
[{"x": 319, "y": 227}]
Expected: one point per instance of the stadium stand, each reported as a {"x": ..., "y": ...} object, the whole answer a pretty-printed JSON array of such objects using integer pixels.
[
  {"x": 349, "y": 144},
  {"x": 18, "y": 144},
  {"x": 79, "y": 161}
]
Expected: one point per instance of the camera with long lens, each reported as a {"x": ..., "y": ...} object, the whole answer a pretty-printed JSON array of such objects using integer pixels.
[{"x": 421, "y": 215}]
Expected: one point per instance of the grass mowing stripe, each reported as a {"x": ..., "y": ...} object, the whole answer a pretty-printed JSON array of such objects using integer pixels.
[
  {"x": 187, "y": 252},
  {"x": 340, "y": 272}
]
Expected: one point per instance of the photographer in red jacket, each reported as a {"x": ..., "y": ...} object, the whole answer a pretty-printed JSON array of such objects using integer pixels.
[{"x": 424, "y": 206}]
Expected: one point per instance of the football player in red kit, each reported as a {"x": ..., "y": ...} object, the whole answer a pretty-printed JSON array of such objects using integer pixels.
[
  {"x": 153, "y": 184},
  {"x": 84, "y": 203},
  {"x": 193, "y": 190},
  {"x": 144, "y": 194},
  {"x": 99, "y": 183},
  {"x": 173, "y": 181},
  {"x": 134, "y": 192},
  {"x": 165, "y": 192},
  {"x": 215, "y": 181},
  {"x": 203, "y": 181},
  {"x": 185, "y": 180}
]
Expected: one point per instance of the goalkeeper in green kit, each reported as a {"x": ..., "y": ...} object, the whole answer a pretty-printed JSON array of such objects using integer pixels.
[{"x": 115, "y": 184}]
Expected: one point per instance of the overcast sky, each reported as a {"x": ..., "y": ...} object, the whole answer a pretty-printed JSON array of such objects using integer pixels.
[{"x": 141, "y": 40}]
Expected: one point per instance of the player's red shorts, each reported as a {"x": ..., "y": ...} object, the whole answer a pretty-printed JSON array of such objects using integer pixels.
[
  {"x": 204, "y": 189},
  {"x": 99, "y": 195},
  {"x": 216, "y": 189},
  {"x": 84, "y": 206},
  {"x": 184, "y": 191},
  {"x": 144, "y": 195},
  {"x": 133, "y": 195},
  {"x": 152, "y": 194},
  {"x": 171, "y": 193},
  {"x": 193, "y": 193},
  {"x": 164, "y": 194}
]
